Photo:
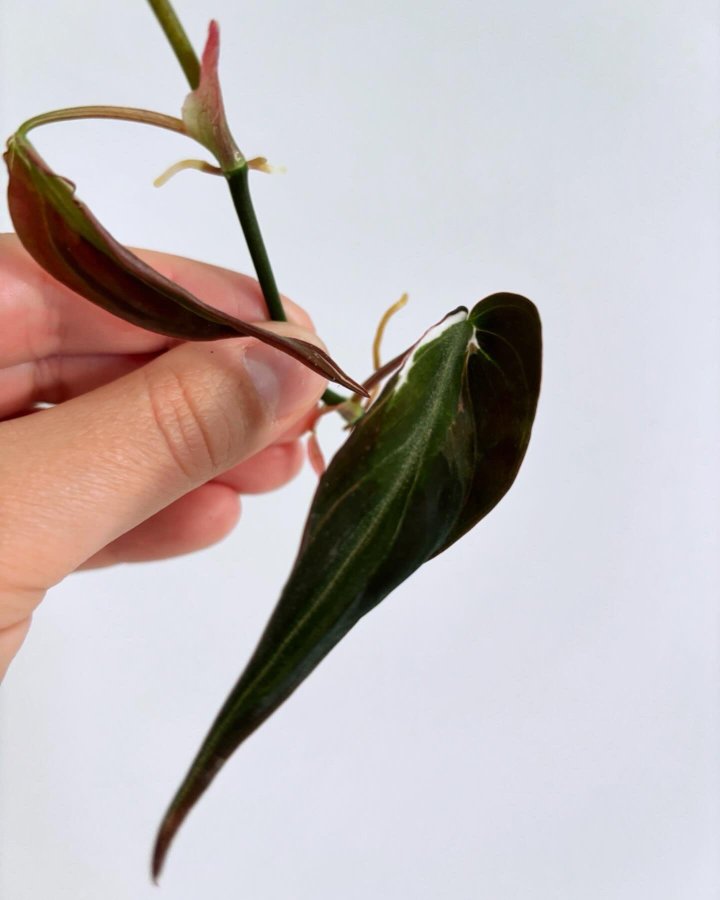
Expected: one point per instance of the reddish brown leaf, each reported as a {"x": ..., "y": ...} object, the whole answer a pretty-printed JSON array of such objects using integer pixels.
[{"x": 66, "y": 239}]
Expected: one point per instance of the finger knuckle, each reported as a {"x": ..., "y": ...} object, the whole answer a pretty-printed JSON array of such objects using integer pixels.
[{"x": 197, "y": 442}]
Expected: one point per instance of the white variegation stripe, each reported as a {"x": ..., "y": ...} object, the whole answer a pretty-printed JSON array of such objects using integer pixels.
[{"x": 432, "y": 334}]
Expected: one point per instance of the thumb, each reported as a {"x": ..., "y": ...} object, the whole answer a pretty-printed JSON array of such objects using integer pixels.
[{"x": 75, "y": 477}]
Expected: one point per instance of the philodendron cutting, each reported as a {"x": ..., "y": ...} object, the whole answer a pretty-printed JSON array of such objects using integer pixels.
[{"x": 428, "y": 454}]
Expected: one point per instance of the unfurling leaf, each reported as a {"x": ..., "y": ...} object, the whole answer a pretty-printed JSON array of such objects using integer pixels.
[
  {"x": 66, "y": 239},
  {"x": 204, "y": 112},
  {"x": 437, "y": 450}
]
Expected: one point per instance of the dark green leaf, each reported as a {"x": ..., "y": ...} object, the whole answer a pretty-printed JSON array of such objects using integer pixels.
[
  {"x": 435, "y": 452},
  {"x": 503, "y": 384},
  {"x": 64, "y": 237}
]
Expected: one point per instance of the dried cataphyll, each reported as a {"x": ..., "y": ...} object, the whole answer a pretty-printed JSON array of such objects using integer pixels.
[{"x": 428, "y": 454}]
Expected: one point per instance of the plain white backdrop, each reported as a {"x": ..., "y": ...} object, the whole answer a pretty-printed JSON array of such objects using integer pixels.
[{"x": 534, "y": 715}]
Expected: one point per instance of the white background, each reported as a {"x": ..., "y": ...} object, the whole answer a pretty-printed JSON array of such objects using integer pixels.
[{"x": 534, "y": 714}]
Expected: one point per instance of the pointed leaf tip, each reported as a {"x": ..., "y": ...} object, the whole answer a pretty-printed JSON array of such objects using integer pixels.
[
  {"x": 164, "y": 839},
  {"x": 211, "y": 51}
]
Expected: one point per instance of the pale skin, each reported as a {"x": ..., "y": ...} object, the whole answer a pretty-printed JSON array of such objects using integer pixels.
[{"x": 149, "y": 443}]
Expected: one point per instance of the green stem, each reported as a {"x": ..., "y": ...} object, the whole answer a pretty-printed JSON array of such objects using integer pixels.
[
  {"x": 239, "y": 185},
  {"x": 240, "y": 191},
  {"x": 178, "y": 40},
  {"x": 330, "y": 398}
]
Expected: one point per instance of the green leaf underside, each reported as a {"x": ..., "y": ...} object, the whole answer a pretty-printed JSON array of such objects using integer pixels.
[
  {"x": 65, "y": 238},
  {"x": 439, "y": 448}
]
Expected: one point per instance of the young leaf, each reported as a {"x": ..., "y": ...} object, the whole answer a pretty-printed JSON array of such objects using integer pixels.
[
  {"x": 204, "y": 112},
  {"x": 66, "y": 239},
  {"x": 435, "y": 452}
]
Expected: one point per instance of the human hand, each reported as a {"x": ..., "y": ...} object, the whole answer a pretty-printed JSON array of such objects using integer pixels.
[{"x": 150, "y": 440}]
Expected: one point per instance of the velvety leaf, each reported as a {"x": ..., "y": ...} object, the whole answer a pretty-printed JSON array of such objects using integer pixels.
[
  {"x": 503, "y": 384},
  {"x": 66, "y": 239},
  {"x": 433, "y": 454}
]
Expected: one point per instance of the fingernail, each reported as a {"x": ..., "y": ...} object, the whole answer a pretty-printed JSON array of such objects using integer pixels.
[{"x": 283, "y": 385}]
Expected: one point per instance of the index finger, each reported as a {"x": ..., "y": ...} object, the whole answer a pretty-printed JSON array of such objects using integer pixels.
[{"x": 39, "y": 317}]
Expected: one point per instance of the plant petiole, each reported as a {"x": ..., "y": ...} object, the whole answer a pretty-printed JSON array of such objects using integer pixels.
[{"x": 178, "y": 40}]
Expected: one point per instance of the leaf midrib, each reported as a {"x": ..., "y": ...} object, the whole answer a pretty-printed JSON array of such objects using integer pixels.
[{"x": 414, "y": 445}]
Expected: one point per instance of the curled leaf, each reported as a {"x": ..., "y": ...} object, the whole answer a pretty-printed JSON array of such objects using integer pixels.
[
  {"x": 502, "y": 382},
  {"x": 66, "y": 239},
  {"x": 435, "y": 452},
  {"x": 204, "y": 111}
]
